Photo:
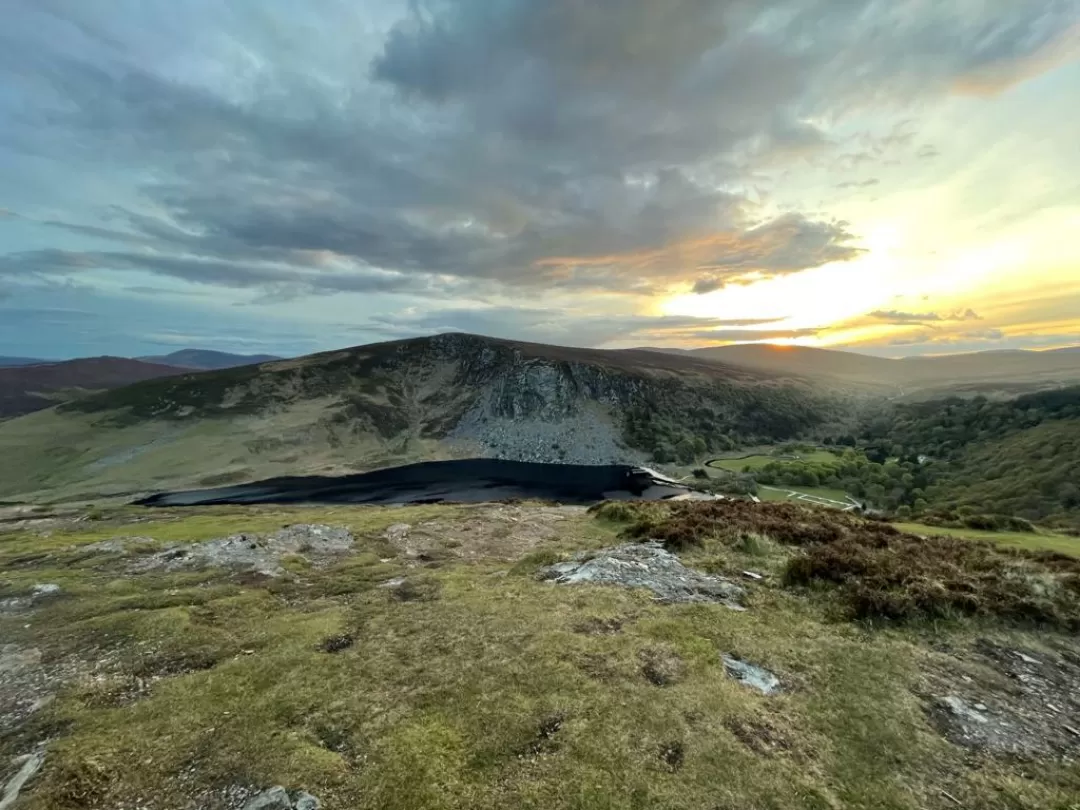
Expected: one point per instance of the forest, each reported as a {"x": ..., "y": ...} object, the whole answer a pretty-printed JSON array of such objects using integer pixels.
[{"x": 977, "y": 462}]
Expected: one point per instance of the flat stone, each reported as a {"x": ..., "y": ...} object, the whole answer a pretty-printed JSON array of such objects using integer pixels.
[
  {"x": 46, "y": 589},
  {"x": 276, "y": 798},
  {"x": 645, "y": 565},
  {"x": 751, "y": 675},
  {"x": 305, "y": 801}
]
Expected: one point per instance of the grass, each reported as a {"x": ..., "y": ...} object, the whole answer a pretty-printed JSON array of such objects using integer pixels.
[
  {"x": 1038, "y": 541},
  {"x": 54, "y": 456},
  {"x": 493, "y": 690},
  {"x": 780, "y": 493},
  {"x": 756, "y": 462}
]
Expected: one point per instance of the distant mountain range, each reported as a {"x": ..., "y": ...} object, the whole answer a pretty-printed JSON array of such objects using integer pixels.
[
  {"x": 208, "y": 360},
  {"x": 990, "y": 370},
  {"x": 8, "y": 362},
  {"x": 29, "y": 384}
]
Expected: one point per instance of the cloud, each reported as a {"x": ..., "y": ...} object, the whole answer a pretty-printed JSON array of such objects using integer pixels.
[
  {"x": 282, "y": 278},
  {"x": 953, "y": 339},
  {"x": 467, "y": 151},
  {"x": 486, "y": 141},
  {"x": 873, "y": 181},
  {"x": 569, "y": 327},
  {"x": 898, "y": 317}
]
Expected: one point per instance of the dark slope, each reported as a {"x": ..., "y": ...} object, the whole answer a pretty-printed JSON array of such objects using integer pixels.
[{"x": 28, "y": 388}]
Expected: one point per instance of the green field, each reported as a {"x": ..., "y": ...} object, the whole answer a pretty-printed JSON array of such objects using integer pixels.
[
  {"x": 1041, "y": 541},
  {"x": 756, "y": 462},
  {"x": 781, "y": 493}
]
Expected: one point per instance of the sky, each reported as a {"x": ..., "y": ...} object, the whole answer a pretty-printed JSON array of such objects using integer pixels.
[{"x": 897, "y": 177}]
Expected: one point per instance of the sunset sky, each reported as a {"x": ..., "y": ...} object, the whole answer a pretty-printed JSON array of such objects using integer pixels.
[{"x": 896, "y": 176}]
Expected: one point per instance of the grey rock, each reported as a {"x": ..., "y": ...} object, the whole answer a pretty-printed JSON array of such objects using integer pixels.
[
  {"x": 392, "y": 583},
  {"x": 751, "y": 675},
  {"x": 397, "y": 533},
  {"x": 276, "y": 798},
  {"x": 305, "y": 801},
  {"x": 252, "y": 552},
  {"x": 645, "y": 565},
  {"x": 30, "y": 766},
  {"x": 958, "y": 707},
  {"x": 46, "y": 589}
]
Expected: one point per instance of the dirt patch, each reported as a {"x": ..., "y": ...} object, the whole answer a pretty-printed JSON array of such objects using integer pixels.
[
  {"x": 672, "y": 755},
  {"x": 760, "y": 736},
  {"x": 661, "y": 666},
  {"x": 595, "y": 626},
  {"x": 415, "y": 589},
  {"x": 489, "y": 531},
  {"x": 1005, "y": 700},
  {"x": 335, "y": 644},
  {"x": 544, "y": 741}
]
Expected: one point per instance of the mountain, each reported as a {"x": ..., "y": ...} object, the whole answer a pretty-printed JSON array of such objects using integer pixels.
[
  {"x": 8, "y": 362},
  {"x": 207, "y": 360},
  {"x": 28, "y": 388},
  {"x": 979, "y": 371},
  {"x": 440, "y": 397}
]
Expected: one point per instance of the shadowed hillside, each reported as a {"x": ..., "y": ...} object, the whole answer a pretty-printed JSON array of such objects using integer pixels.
[{"x": 28, "y": 388}]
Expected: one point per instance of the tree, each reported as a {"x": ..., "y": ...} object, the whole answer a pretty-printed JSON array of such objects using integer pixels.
[
  {"x": 684, "y": 450},
  {"x": 662, "y": 454},
  {"x": 700, "y": 448}
]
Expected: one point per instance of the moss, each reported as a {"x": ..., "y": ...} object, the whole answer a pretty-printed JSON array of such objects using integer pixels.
[{"x": 495, "y": 694}]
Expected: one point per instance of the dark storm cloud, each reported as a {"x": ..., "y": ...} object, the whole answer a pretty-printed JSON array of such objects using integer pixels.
[
  {"x": 216, "y": 272},
  {"x": 426, "y": 147}
]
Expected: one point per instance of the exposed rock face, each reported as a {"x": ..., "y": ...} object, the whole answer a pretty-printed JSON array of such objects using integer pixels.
[
  {"x": 645, "y": 565},
  {"x": 1017, "y": 703}
]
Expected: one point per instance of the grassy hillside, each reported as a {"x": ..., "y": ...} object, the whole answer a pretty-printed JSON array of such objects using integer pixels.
[
  {"x": 199, "y": 688},
  {"x": 392, "y": 403}
]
